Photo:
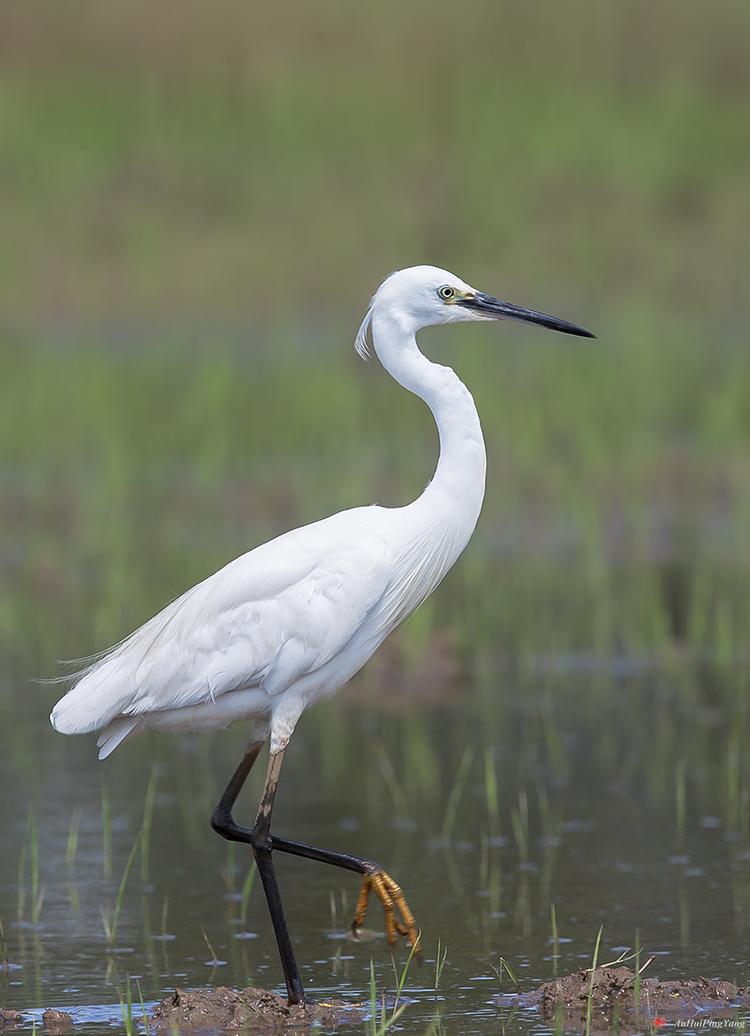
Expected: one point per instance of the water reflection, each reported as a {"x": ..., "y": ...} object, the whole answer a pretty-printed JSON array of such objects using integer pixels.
[{"x": 580, "y": 807}]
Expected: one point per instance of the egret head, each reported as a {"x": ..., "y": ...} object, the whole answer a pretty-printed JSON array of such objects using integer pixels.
[{"x": 421, "y": 296}]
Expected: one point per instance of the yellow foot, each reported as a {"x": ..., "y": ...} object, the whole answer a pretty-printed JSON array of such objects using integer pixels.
[{"x": 399, "y": 919}]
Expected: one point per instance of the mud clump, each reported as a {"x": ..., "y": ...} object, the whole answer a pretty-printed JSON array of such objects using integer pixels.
[
  {"x": 57, "y": 1021},
  {"x": 209, "y": 1010},
  {"x": 614, "y": 998},
  {"x": 52, "y": 1020}
]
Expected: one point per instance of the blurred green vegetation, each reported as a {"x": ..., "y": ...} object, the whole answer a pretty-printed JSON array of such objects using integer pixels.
[
  {"x": 197, "y": 202},
  {"x": 235, "y": 162}
]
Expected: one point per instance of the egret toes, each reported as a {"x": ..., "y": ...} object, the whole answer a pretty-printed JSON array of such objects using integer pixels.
[{"x": 399, "y": 919}]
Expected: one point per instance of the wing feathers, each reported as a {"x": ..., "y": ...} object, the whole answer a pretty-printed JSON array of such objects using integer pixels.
[{"x": 283, "y": 610}]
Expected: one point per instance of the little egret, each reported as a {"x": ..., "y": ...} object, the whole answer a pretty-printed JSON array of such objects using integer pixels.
[{"x": 294, "y": 619}]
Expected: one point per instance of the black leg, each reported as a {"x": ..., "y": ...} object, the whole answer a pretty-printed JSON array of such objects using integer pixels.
[
  {"x": 222, "y": 821},
  {"x": 259, "y": 838},
  {"x": 225, "y": 825},
  {"x": 398, "y": 917},
  {"x": 330, "y": 856},
  {"x": 262, "y": 847}
]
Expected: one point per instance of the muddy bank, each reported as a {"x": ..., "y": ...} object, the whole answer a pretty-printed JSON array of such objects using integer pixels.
[
  {"x": 254, "y": 1009},
  {"x": 614, "y": 997}
]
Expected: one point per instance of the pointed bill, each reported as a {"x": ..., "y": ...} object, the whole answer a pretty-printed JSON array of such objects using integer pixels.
[{"x": 497, "y": 309}]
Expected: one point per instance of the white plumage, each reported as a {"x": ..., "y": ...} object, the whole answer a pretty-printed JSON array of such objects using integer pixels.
[{"x": 294, "y": 619}]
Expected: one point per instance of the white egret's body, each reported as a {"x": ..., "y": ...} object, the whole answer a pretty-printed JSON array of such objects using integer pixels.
[{"x": 294, "y": 619}]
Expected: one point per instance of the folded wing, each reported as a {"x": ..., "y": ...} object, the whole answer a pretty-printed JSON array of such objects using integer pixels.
[{"x": 282, "y": 610}]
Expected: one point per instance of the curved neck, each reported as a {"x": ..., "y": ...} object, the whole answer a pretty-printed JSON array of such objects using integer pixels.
[{"x": 460, "y": 473}]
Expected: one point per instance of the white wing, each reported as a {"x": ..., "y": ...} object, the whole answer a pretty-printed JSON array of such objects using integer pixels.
[{"x": 273, "y": 615}]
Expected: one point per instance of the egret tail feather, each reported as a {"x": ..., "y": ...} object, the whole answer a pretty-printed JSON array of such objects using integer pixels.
[{"x": 114, "y": 734}]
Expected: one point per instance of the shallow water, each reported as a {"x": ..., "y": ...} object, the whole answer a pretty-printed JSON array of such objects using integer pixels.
[{"x": 611, "y": 804}]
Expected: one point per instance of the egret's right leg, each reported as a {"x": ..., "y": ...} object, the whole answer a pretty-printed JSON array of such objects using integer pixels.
[
  {"x": 262, "y": 844},
  {"x": 259, "y": 838}
]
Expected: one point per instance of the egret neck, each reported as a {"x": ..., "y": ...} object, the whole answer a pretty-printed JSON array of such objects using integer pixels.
[{"x": 456, "y": 491}]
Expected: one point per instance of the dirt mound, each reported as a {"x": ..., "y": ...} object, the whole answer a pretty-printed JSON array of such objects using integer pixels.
[
  {"x": 209, "y": 1010},
  {"x": 614, "y": 997},
  {"x": 57, "y": 1021},
  {"x": 52, "y": 1020}
]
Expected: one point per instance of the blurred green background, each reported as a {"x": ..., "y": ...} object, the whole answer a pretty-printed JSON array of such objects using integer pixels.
[{"x": 196, "y": 202}]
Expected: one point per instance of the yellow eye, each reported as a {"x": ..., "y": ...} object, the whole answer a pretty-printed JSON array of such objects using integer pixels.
[{"x": 446, "y": 292}]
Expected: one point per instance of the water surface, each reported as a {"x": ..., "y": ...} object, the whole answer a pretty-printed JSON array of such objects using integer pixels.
[{"x": 592, "y": 798}]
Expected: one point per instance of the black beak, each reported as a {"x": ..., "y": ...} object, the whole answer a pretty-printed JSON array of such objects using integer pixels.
[{"x": 498, "y": 310}]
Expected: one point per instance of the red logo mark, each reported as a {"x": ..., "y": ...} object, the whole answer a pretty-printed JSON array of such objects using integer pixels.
[{"x": 659, "y": 1021}]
